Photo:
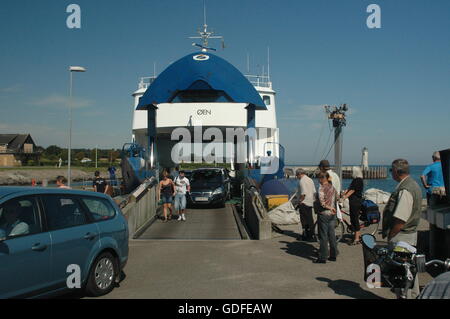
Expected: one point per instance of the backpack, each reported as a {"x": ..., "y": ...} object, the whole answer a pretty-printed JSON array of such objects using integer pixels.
[{"x": 370, "y": 212}]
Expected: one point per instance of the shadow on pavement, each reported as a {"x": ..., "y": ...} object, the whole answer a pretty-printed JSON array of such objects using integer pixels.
[
  {"x": 300, "y": 249},
  {"x": 348, "y": 288},
  {"x": 289, "y": 233}
]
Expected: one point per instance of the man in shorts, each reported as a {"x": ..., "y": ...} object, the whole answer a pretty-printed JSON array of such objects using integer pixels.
[{"x": 182, "y": 186}]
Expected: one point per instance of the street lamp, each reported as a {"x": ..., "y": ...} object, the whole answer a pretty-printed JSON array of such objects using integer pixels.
[{"x": 69, "y": 171}]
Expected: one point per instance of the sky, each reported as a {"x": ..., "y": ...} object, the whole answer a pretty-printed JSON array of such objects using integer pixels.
[{"x": 395, "y": 79}]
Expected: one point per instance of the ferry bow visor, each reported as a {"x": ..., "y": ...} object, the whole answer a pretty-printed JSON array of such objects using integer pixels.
[{"x": 215, "y": 75}]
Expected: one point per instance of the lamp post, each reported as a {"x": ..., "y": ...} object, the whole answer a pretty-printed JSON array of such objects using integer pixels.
[
  {"x": 338, "y": 116},
  {"x": 69, "y": 159}
]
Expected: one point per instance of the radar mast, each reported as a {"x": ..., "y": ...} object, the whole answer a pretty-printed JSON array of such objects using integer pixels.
[{"x": 205, "y": 35}]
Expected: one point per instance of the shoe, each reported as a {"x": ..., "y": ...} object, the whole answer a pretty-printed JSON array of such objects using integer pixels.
[
  {"x": 354, "y": 243},
  {"x": 183, "y": 217},
  {"x": 179, "y": 218},
  {"x": 311, "y": 239},
  {"x": 332, "y": 259},
  {"x": 320, "y": 261}
]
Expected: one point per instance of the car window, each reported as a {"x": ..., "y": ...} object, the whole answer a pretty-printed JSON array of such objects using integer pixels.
[
  {"x": 19, "y": 217},
  {"x": 63, "y": 211},
  {"x": 100, "y": 208},
  {"x": 207, "y": 176}
]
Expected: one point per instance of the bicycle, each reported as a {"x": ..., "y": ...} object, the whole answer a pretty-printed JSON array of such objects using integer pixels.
[{"x": 344, "y": 227}]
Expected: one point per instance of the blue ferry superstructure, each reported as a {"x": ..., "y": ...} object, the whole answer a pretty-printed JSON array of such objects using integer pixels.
[{"x": 186, "y": 107}]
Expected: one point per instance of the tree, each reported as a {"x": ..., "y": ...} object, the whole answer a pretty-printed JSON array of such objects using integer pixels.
[
  {"x": 80, "y": 155},
  {"x": 53, "y": 150},
  {"x": 114, "y": 155},
  {"x": 39, "y": 149}
]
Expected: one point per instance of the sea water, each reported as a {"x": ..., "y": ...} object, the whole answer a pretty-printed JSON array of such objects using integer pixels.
[{"x": 387, "y": 185}]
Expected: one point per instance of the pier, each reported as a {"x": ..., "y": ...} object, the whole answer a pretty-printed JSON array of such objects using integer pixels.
[
  {"x": 204, "y": 224},
  {"x": 207, "y": 257}
]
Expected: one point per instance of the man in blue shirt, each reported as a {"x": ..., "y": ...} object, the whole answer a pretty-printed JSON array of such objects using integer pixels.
[
  {"x": 432, "y": 178},
  {"x": 112, "y": 175}
]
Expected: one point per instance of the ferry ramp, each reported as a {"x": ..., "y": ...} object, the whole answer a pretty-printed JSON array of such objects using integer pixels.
[{"x": 201, "y": 224}]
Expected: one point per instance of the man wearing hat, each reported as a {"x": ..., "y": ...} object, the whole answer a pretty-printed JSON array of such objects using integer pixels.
[
  {"x": 305, "y": 196},
  {"x": 324, "y": 167}
]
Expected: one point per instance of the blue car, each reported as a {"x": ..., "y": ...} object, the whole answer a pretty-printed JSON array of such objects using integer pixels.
[{"x": 53, "y": 240}]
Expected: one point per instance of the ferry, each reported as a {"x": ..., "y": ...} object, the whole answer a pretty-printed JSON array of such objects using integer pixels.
[{"x": 202, "y": 91}]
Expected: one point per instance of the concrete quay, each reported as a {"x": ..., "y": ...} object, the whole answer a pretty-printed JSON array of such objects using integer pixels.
[{"x": 277, "y": 268}]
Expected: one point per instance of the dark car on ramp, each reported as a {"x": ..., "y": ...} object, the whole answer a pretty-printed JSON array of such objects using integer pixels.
[{"x": 209, "y": 186}]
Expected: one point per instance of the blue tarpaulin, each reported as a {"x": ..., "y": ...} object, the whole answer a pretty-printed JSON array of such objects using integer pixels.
[{"x": 201, "y": 71}]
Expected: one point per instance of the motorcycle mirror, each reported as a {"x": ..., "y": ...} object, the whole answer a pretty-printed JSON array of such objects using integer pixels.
[
  {"x": 369, "y": 241},
  {"x": 421, "y": 263}
]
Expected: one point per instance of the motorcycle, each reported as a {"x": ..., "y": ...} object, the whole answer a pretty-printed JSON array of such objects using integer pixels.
[{"x": 395, "y": 266}]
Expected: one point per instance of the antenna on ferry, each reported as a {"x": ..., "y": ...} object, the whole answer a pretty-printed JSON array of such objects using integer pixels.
[
  {"x": 205, "y": 35},
  {"x": 204, "y": 13},
  {"x": 268, "y": 64}
]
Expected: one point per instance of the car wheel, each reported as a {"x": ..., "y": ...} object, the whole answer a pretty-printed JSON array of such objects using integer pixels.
[{"x": 102, "y": 276}]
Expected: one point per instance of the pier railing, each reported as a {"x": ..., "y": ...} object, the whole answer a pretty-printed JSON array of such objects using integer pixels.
[
  {"x": 141, "y": 207},
  {"x": 259, "y": 80},
  {"x": 255, "y": 214},
  {"x": 379, "y": 172},
  {"x": 145, "y": 82}
]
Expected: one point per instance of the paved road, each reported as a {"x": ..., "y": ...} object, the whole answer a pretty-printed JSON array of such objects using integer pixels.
[
  {"x": 241, "y": 269},
  {"x": 211, "y": 224}
]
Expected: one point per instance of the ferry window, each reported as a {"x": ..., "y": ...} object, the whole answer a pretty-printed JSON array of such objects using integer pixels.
[
  {"x": 191, "y": 96},
  {"x": 266, "y": 99}
]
